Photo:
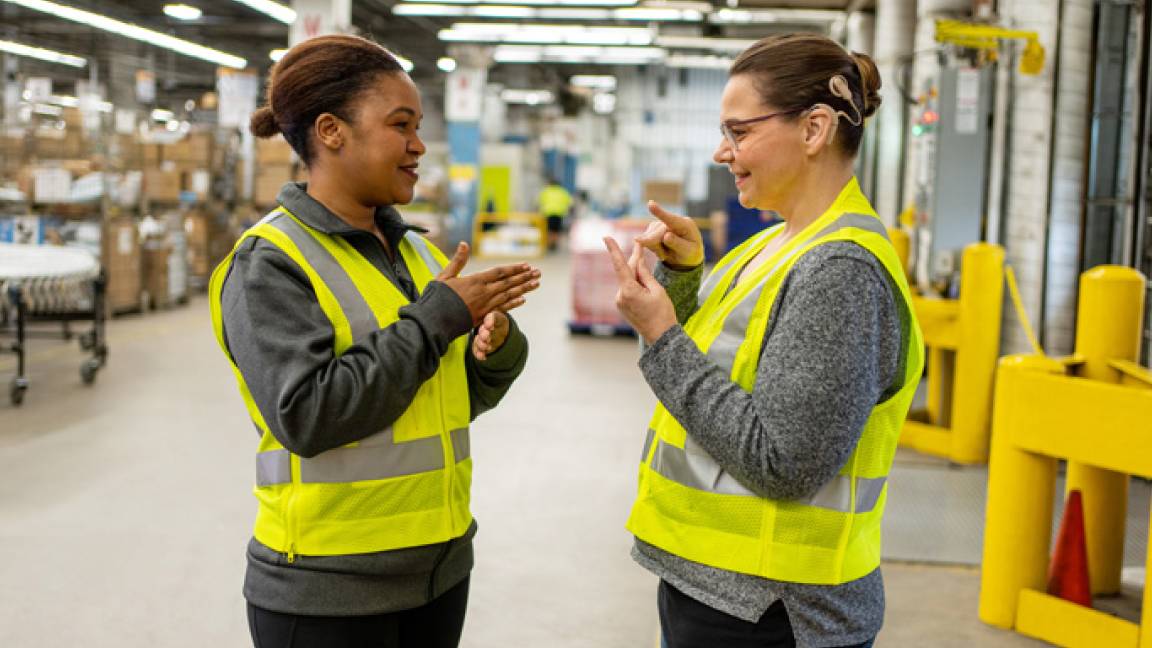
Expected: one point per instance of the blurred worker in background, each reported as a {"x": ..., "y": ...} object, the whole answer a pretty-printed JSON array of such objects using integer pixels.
[
  {"x": 783, "y": 379},
  {"x": 554, "y": 202}
]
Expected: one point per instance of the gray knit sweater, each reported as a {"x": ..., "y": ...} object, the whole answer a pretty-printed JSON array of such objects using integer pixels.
[{"x": 832, "y": 351}]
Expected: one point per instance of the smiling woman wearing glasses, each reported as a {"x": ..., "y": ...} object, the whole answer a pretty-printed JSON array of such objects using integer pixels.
[{"x": 783, "y": 378}]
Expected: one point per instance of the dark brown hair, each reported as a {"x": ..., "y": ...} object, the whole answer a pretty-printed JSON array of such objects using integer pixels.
[
  {"x": 320, "y": 75},
  {"x": 792, "y": 71}
]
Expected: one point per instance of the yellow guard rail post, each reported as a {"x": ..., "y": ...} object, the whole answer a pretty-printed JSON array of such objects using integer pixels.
[
  {"x": 962, "y": 337},
  {"x": 1047, "y": 410}
]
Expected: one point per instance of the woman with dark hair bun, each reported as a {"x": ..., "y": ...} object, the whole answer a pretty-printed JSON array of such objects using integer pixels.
[
  {"x": 783, "y": 378},
  {"x": 362, "y": 355}
]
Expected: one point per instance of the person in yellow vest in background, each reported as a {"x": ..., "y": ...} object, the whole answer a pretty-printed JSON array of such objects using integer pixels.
[
  {"x": 362, "y": 355},
  {"x": 783, "y": 377},
  {"x": 555, "y": 201}
]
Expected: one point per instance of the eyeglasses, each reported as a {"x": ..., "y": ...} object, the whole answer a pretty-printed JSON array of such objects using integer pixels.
[{"x": 727, "y": 126}]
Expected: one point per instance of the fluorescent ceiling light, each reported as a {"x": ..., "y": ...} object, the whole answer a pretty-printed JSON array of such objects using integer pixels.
[
  {"x": 603, "y": 103},
  {"x": 183, "y": 12},
  {"x": 404, "y": 63},
  {"x": 47, "y": 109},
  {"x": 529, "y": 97},
  {"x": 598, "y": 81},
  {"x": 577, "y": 54},
  {"x": 546, "y": 3},
  {"x": 159, "y": 114},
  {"x": 136, "y": 32},
  {"x": 817, "y": 16},
  {"x": 42, "y": 54},
  {"x": 708, "y": 62},
  {"x": 278, "y": 11},
  {"x": 655, "y": 14},
  {"x": 277, "y": 54},
  {"x": 545, "y": 34},
  {"x": 446, "y": 64},
  {"x": 64, "y": 100},
  {"x": 701, "y": 42}
]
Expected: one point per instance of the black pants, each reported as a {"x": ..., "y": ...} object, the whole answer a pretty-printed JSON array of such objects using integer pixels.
[
  {"x": 688, "y": 623},
  {"x": 435, "y": 625}
]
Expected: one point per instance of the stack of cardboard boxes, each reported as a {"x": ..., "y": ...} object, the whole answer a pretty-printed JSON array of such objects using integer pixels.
[{"x": 274, "y": 166}]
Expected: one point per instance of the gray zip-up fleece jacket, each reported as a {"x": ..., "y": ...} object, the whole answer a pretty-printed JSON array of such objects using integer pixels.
[
  {"x": 312, "y": 401},
  {"x": 832, "y": 350}
]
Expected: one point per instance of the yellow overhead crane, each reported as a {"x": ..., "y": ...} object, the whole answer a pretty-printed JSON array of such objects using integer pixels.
[{"x": 987, "y": 38}]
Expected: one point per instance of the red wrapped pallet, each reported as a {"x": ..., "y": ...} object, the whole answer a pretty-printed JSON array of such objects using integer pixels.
[{"x": 593, "y": 278}]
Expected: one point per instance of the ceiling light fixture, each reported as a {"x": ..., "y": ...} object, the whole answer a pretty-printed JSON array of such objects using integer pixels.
[
  {"x": 136, "y": 32},
  {"x": 546, "y": 3},
  {"x": 446, "y": 64},
  {"x": 527, "y": 97},
  {"x": 707, "y": 62},
  {"x": 553, "y": 12},
  {"x": 546, "y": 34},
  {"x": 704, "y": 43},
  {"x": 577, "y": 54},
  {"x": 791, "y": 16},
  {"x": 277, "y": 54},
  {"x": 404, "y": 63},
  {"x": 286, "y": 15},
  {"x": 42, "y": 54},
  {"x": 597, "y": 81},
  {"x": 182, "y": 12}
]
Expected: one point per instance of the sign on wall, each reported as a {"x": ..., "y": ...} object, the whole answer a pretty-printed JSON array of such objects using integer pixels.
[{"x": 319, "y": 17}]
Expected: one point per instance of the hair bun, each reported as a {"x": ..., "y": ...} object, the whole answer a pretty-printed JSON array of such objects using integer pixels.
[
  {"x": 263, "y": 123},
  {"x": 869, "y": 82}
]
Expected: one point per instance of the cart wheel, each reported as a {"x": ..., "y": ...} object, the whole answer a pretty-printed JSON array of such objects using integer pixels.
[
  {"x": 16, "y": 390},
  {"x": 88, "y": 371}
]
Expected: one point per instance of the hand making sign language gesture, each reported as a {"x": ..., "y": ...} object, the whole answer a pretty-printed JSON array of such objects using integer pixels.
[
  {"x": 489, "y": 295},
  {"x": 641, "y": 299}
]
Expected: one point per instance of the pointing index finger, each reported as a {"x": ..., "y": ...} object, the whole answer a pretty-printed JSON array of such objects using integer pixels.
[{"x": 619, "y": 263}]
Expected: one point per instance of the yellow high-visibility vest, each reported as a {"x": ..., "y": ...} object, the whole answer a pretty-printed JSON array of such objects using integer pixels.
[
  {"x": 554, "y": 200},
  {"x": 689, "y": 506},
  {"x": 402, "y": 486}
]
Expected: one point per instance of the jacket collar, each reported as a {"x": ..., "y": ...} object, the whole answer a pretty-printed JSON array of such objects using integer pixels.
[{"x": 294, "y": 197}]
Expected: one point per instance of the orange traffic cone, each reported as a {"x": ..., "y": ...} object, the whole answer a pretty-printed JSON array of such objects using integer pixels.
[{"x": 1068, "y": 574}]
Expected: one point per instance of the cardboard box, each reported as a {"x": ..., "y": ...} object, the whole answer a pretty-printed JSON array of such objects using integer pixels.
[
  {"x": 194, "y": 150},
  {"x": 122, "y": 261},
  {"x": 51, "y": 185},
  {"x": 665, "y": 192},
  {"x": 274, "y": 151},
  {"x": 268, "y": 182},
  {"x": 198, "y": 235},
  {"x": 162, "y": 185},
  {"x": 155, "y": 273}
]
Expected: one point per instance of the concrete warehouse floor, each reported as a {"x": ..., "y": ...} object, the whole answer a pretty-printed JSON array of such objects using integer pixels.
[{"x": 125, "y": 507}]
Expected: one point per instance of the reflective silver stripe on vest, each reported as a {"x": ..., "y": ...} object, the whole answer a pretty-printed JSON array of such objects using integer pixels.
[
  {"x": 724, "y": 348},
  {"x": 693, "y": 467},
  {"x": 375, "y": 457},
  {"x": 361, "y": 319},
  {"x": 422, "y": 248},
  {"x": 713, "y": 279},
  {"x": 648, "y": 439},
  {"x": 273, "y": 467},
  {"x": 461, "y": 444}
]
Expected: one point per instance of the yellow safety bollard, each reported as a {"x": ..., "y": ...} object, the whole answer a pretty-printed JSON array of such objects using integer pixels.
[
  {"x": 1018, "y": 518},
  {"x": 981, "y": 302},
  {"x": 902, "y": 244},
  {"x": 1108, "y": 327}
]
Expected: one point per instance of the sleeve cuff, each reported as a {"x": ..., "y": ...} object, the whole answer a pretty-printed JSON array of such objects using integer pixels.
[
  {"x": 442, "y": 311},
  {"x": 510, "y": 354}
]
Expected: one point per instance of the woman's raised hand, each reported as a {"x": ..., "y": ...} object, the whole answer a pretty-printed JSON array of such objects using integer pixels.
[
  {"x": 674, "y": 239},
  {"x": 497, "y": 289}
]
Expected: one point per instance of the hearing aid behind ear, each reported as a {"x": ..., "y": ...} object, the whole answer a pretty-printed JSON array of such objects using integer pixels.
[{"x": 839, "y": 87}]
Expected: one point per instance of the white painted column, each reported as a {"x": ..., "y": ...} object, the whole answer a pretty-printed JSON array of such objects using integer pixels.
[
  {"x": 1030, "y": 142},
  {"x": 1069, "y": 175},
  {"x": 895, "y": 28}
]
